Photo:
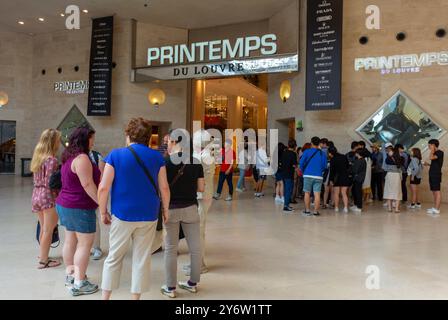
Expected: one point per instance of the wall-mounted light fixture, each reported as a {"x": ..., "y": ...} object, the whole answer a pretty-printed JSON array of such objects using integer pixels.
[
  {"x": 3, "y": 98},
  {"x": 285, "y": 90},
  {"x": 156, "y": 97}
]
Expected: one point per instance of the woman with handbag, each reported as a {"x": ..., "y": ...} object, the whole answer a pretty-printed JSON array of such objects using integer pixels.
[
  {"x": 43, "y": 165},
  {"x": 185, "y": 178},
  {"x": 136, "y": 179}
]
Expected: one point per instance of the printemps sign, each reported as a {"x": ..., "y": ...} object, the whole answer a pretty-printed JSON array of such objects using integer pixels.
[
  {"x": 72, "y": 87},
  {"x": 217, "y": 58},
  {"x": 397, "y": 64}
]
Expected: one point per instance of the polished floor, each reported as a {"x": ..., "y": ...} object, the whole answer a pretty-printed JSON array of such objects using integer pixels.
[{"x": 255, "y": 251}]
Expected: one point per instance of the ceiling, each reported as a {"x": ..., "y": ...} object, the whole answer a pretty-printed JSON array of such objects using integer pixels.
[
  {"x": 190, "y": 14},
  {"x": 236, "y": 87}
]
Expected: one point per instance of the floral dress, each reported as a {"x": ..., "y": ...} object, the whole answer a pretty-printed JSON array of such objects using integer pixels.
[{"x": 43, "y": 197}]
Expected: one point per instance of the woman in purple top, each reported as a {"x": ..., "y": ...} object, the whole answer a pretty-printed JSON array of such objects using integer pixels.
[{"x": 76, "y": 205}]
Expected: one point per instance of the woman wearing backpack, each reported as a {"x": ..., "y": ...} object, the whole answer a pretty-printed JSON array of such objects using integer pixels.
[{"x": 415, "y": 170}]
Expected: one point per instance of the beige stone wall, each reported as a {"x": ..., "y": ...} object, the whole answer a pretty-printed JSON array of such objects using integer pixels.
[
  {"x": 35, "y": 106},
  {"x": 365, "y": 91},
  {"x": 16, "y": 57},
  {"x": 286, "y": 25}
]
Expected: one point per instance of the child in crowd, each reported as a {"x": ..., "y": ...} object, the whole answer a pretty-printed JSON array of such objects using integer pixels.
[
  {"x": 415, "y": 170},
  {"x": 359, "y": 169}
]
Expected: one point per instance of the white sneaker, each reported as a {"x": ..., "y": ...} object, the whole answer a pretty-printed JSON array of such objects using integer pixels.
[
  {"x": 385, "y": 204},
  {"x": 97, "y": 254},
  {"x": 184, "y": 285},
  {"x": 356, "y": 209},
  {"x": 229, "y": 198},
  {"x": 216, "y": 196},
  {"x": 418, "y": 205},
  {"x": 345, "y": 210},
  {"x": 282, "y": 200},
  {"x": 278, "y": 199},
  {"x": 336, "y": 210},
  {"x": 239, "y": 190},
  {"x": 430, "y": 211},
  {"x": 167, "y": 292}
]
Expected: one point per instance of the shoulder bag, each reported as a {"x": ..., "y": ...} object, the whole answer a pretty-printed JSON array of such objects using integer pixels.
[{"x": 156, "y": 189}]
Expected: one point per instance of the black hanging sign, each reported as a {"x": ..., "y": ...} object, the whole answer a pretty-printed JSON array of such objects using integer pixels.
[
  {"x": 100, "y": 71},
  {"x": 324, "y": 55}
]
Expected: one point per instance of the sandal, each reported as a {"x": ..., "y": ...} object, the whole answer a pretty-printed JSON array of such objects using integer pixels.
[{"x": 49, "y": 264}]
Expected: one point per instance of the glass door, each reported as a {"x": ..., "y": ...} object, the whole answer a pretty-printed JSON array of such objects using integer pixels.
[{"x": 7, "y": 146}]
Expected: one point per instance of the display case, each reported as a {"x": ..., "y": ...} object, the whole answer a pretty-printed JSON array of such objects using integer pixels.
[{"x": 401, "y": 120}]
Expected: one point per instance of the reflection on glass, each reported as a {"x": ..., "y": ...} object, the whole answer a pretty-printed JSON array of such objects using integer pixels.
[
  {"x": 400, "y": 120},
  {"x": 72, "y": 120}
]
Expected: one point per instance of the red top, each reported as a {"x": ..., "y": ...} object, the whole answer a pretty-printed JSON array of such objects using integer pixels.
[{"x": 227, "y": 158}]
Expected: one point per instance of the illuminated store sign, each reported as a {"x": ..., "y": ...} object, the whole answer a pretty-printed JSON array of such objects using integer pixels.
[
  {"x": 271, "y": 64},
  {"x": 215, "y": 50},
  {"x": 72, "y": 87},
  {"x": 409, "y": 63}
]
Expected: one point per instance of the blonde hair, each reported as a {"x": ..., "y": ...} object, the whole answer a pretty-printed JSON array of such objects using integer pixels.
[{"x": 45, "y": 148}]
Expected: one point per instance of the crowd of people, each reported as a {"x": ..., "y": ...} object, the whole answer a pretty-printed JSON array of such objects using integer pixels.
[
  {"x": 319, "y": 172},
  {"x": 156, "y": 196},
  {"x": 148, "y": 193}
]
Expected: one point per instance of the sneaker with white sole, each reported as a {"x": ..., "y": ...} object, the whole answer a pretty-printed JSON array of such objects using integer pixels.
[
  {"x": 216, "y": 196},
  {"x": 186, "y": 286},
  {"x": 356, "y": 209},
  {"x": 167, "y": 292},
  {"x": 239, "y": 190},
  {"x": 336, "y": 210},
  {"x": 307, "y": 214},
  {"x": 345, "y": 210},
  {"x": 70, "y": 280},
  {"x": 97, "y": 254},
  {"x": 430, "y": 211},
  {"x": 229, "y": 198},
  {"x": 84, "y": 289}
]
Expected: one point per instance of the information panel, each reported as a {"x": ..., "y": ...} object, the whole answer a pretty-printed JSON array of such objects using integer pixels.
[
  {"x": 324, "y": 55},
  {"x": 100, "y": 71}
]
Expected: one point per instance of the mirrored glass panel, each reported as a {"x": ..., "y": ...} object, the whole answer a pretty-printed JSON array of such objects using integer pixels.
[
  {"x": 400, "y": 120},
  {"x": 72, "y": 120}
]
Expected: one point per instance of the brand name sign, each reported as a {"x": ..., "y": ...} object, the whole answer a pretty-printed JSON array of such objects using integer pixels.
[
  {"x": 215, "y": 50},
  {"x": 72, "y": 87},
  {"x": 402, "y": 63}
]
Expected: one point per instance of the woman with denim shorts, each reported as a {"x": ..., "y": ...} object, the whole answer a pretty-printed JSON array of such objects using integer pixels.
[{"x": 76, "y": 205}]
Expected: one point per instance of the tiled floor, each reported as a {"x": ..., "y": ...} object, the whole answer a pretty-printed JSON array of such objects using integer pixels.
[{"x": 257, "y": 252}]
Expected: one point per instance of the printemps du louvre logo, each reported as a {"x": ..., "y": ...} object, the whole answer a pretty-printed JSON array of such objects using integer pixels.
[{"x": 398, "y": 64}]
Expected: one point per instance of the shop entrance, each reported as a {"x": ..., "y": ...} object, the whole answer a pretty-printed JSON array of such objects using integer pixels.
[
  {"x": 231, "y": 103},
  {"x": 7, "y": 147}
]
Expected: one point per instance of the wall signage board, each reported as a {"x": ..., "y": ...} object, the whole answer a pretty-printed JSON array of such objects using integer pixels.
[
  {"x": 72, "y": 87},
  {"x": 398, "y": 64},
  {"x": 324, "y": 54},
  {"x": 268, "y": 64},
  {"x": 100, "y": 72}
]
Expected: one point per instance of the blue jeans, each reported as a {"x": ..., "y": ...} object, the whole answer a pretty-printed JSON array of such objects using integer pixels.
[
  {"x": 289, "y": 186},
  {"x": 223, "y": 177},
  {"x": 240, "y": 184}
]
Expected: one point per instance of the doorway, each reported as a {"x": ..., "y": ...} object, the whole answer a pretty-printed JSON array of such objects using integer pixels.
[
  {"x": 7, "y": 147},
  {"x": 231, "y": 103}
]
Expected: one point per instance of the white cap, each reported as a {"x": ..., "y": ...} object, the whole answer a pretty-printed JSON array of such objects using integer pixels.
[{"x": 388, "y": 145}]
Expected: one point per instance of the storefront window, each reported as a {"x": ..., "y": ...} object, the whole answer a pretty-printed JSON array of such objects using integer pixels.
[
  {"x": 72, "y": 120},
  {"x": 216, "y": 112},
  {"x": 400, "y": 120}
]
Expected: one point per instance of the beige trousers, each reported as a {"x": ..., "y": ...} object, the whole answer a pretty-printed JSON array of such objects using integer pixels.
[
  {"x": 122, "y": 233},
  {"x": 204, "y": 206}
]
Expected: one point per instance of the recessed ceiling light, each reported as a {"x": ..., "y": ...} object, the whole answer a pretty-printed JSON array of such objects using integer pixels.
[
  {"x": 41, "y": 19},
  {"x": 21, "y": 22},
  {"x": 62, "y": 15},
  {"x": 85, "y": 11}
]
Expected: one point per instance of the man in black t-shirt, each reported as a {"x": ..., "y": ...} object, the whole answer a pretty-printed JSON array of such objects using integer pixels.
[
  {"x": 289, "y": 167},
  {"x": 435, "y": 174}
]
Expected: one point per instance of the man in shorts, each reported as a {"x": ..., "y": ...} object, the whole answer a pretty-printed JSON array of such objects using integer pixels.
[{"x": 313, "y": 164}]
